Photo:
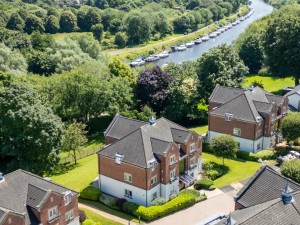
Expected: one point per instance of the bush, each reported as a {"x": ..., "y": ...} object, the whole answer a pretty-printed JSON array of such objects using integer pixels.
[
  {"x": 109, "y": 201},
  {"x": 214, "y": 170},
  {"x": 90, "y": 193},
  {"x": 212, "y": 174},
  {"x": 82, "y": 216},
  {"x": 120, "y": 202},
  {"x": 291, "y": 169},
  {"x": 203, "y": 184},
  {"x": 264, "y": 72},
  {"x": 199, "y": 197},
  {"x": 153, "y": 212},
  {"x": 264, "y": 155},
  {"x": 206, "y": 148},
  {"x": 158, "y": 201}
]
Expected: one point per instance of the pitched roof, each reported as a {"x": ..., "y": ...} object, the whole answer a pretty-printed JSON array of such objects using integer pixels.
[
  {"x": 264, "y": 186},
  {"x": 250, "y": 103},
  {"x": 19, "y": 188},
  {"x": 296, "y": 90},
  {"x": 36, "y": 196},
  {"x": 3, "y": 213},
  {"x": 273, "y": 212},
  {"x": 140, "y": 146},
  {"x": 122, "y": 126}
]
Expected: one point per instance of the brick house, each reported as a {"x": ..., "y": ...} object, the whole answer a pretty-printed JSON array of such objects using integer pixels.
[
  {"x": 27, "y": 199},
  {"x": 252, "y": 116},
  {"x": 142, "y": 161}
]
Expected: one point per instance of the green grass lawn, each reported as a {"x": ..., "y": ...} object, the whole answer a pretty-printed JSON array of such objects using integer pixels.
[
  {"x": 239, "y": 169},
  {"x": 106, "y": 209},
  {"x": 97, "y": 218},
  {"x": 78, "y": 176},
  {"x": 271, "y": 84},
  {"x": 200, "y": 129}
]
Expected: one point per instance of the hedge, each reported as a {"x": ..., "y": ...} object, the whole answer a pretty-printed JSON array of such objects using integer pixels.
[
  {"x": 203, "y": 184},
  {"x": 183, "y": 200},
  {"x": 264, "y": 155},
  {"x": 90, "y": 193},
  {"x": 158, "y": 201},
  {"x": 291, "y": 169}
]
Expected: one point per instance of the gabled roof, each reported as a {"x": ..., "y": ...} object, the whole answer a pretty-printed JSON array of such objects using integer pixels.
[
  {"x": 264, "y": 186},
  {"x": 273, "y": 212},
  {"x": 20, "y": 184},
  {"x": 140, "y": 146},
  {"x": 296, "y": 91},
  {"x": 36, "y": 196},
  {"x": 243, "y": 105},
  {"x": 3, "y": 213},
  {"x": 122, "y": 126}
]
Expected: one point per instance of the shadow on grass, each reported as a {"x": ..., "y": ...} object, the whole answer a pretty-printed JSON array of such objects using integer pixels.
[{"x": 62, "y": 169}]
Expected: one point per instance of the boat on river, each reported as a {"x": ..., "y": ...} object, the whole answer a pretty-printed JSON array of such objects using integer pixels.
[
  {"x": 213, "y": 35},
  {"x": 163, "y": 54},
  {"x": 152, "y": 58},
  {"x": 137, "y": 62},
  {"x": 198, "y": 41},
  {"x": 190, "y": 44},
  {"x": 205, "y": 38},
  {"x": 181, "y": 48}
]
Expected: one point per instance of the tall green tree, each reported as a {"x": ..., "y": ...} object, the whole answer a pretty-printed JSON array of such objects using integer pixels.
[
  {"x": 41, "y": 42},
  {"x": 92, "y": 18},
  {"x": 291, "y": 126},
  {"x": 221, "y": 65},
  {"x": 68, "y": 22},
  {"x": 74, "y": 138},
  {"x": 52, "y": 25},
  {"x": 281, "y": 45},
  {"x": 41, "y": 63},
  {"x": 224, "y": 146},
  {"x": 30, "y": 134},
  {"x": 120, "y": 69},
  {"x": 15, "y": 22},
  {"x": 33, "y": 23},
  {"x": 97, "y": 31}
]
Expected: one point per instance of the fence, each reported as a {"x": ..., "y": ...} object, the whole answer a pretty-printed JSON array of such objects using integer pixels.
[{"x": 79, "y": 155}]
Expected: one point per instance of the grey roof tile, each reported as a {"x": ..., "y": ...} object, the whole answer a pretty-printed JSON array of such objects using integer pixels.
[
  {"x": 262, "y": 107},
  {"x": 3, "y": 213},
  {"x": 275, "y": 98},
  {"x": 296, "y": 90},
  {"x": 140, "y": 146},
  {"x": 224, "y": 94},
  {"x": 36, "y": 196},
  {"x": 264, "y": 186},
  {"x": 14, "y": 190}
]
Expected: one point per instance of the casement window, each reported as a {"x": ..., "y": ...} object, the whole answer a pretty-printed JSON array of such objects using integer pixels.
[
  {"x": 172, "y": 159},
  {"x": 128, "y": 193},
  {"x": 154, "y": 196},
  {"x": 128, "y": 177},
  {"x": 258, "y": 146},
  {"x": 237, "y": 131},
  {"x": 69, "y": 215},
  {"x": 228, "y": 116},
  {"x": 172, "y": 174},
  {"x": 52, "y": 213},
  {"x": 118, "y": 158},
  {"x": 192, "y": 161},
  {"x": 154, "y": 180},
  {"x": 239, "y": 145},
  {"x": 192, "y": 147},
  {"x": 153, "y": 164},
  {"x": 68, "y": 197},
  {"x": 259, "y": 132}
]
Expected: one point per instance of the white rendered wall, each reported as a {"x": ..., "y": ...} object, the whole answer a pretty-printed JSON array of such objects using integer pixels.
[
  {"x": 245, "y": 144},
  {"x": 166, "y": 189},
  {"x": 117, "y": 188},
  {"x": 75, "y": 221},
  {"x": 294, "y": 100}
]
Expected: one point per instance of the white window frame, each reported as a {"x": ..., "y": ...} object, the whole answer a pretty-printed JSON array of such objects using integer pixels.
[
  {"x": 128, "y": 177},
  {"x": 128, "y": 193},
  {"x": 153, "y": 180},
  {"x": 68, "y": 197},
  {"x": 172, "y": 174},
  {"x": 237, "y": 132},
  {"x": 192, "y": 147},
  {"x": 69, "y": 215},
  {"x": 192, "y": 159},
  {"x": 172, "y": 159},
  {"x": 52, "y": 213},
  {"x": 118, "y": 158},
  {"x": 228, "y": 116}
]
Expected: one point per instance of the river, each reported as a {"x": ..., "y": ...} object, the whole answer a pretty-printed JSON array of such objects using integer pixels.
[{"x": 261, "y": 9}]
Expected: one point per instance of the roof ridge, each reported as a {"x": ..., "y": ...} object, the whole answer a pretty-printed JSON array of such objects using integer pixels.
[
  {"x": 111, "y": 123},
  {"x": 248, "y": 101},
  {"x": 214, "y": 91},
  {"x": 143, "y": 144},
  {"x": 185, "y": 129},
  {"x": 41, "y": 178}
]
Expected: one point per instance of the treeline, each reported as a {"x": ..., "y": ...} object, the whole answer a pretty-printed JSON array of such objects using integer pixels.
[
  {"x": 118, "y": 23},
  {"x": 279, "y": 3},
  {"x": 270, "y": 46}
]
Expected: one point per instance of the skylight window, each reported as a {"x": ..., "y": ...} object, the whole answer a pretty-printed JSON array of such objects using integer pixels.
[{"x": 228, "y": 116}]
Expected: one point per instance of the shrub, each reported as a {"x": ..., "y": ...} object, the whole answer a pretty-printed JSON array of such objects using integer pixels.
[
  {"x": 214, "y": 170},
  {"x": 212, "y": 174},
  {"x": 291, "y": 169},
  {"x": 130, "y": 207},
  {"x": 264, "y": 72},
  {"x": 158, "y": 201},
  {"x": 109, "y": 200},
  {"x": 90, "y": 193},
  {"x": 264, "y": 155},
  {"x": 120, "y": 202},
  {"x": 199, "y": 197},
  {"x": 82, "y": 216},
  {"x": 203, "y": 184}
]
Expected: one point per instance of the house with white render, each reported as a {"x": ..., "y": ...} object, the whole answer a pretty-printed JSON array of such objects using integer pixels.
[
  {"x": 146, "y": 160},
  {"x": 253, "y": 117}
]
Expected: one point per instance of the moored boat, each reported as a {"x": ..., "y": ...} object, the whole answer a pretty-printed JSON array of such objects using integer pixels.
[
  {"x": 137, "y": 62},
  {"x": 190, "y": 44},
  {"x": 181, "y": 48}
]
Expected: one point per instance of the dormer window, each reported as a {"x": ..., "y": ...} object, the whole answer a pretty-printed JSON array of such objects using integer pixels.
[
  {"x": 192, "y": 148},
  {"x": 228, "y": 116},
  {"x": 68, "y": 197},
  {"x": 118, "y": 158},
  {"x": 1, "y": 177},
  {"x": 152, "y": 164}
]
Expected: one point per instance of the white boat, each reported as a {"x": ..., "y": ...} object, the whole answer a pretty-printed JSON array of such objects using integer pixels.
[
  {"x": 242, "y": 18},
  {"x": 163, "y": 54},
  {"x": 213, "y": 35},
  {"x": 152, "y": 58},
  {"x": 190, "y": 44},
  {"x": 198, "y": 41},
  {"x": 137, "y": 62},
  {"x": 181, "y": 48},
  {"x": 222, "y": 30},
  {"x": 234, "y": 23},
  {"x": 229, "y": 26},
  {"x": 237, "y": 21},
  {"x": 205, "y": 38}
]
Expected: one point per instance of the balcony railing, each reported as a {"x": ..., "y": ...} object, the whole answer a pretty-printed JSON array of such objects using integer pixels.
[{"x": 53, "y": 218}]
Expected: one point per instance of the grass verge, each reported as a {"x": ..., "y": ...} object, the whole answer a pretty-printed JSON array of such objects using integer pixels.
[{"x": 97, "y": 218}]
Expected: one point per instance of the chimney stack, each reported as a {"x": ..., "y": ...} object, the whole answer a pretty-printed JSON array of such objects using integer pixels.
[
  {"x": 152, "y": 121},
  {"x": 1, "y": 177},
  {"x": 286, "y": 195}
]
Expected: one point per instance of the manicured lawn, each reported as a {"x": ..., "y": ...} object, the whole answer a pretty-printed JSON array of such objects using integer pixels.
[
  {"x": 106, "y": 209},
  {"x": 200, "y": 129},
  {"x": 271, "y": 84},
  {"x": 239, "y": 169},
  {"x": 78, "y": 176},
  {"x": 97, "y": 218}
]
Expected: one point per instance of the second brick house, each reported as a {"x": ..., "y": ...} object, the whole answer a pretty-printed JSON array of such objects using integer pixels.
[
  {"x": 252, "y": 116},
  {"x": 142, "y": 161}
]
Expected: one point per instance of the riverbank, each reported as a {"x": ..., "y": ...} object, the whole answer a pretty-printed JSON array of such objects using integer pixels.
[{"x": 175, "y": 39}]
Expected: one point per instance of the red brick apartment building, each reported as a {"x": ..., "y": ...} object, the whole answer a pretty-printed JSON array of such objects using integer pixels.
[
  {"x": 27, "y": 199},
  {"x": 143, "y": 161},
  {"x": 252, "y": 116}
]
